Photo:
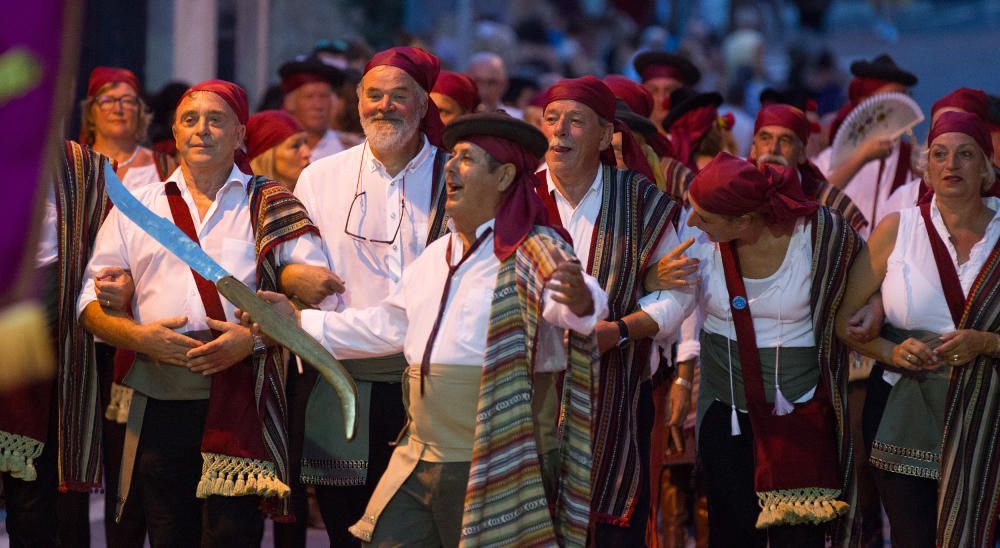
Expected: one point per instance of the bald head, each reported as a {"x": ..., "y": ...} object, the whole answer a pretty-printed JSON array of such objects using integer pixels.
[{"x": 490, "y": 75}]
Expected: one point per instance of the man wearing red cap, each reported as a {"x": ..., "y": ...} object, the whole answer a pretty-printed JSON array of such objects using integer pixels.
[
  {"x": 486, "y": 317},
  {"x": 879, "y": 166},
  {"x": 308, "y": 86},
  {"x": 377, "y": 206},
  {"x": 207, "y": 398},
  {"x": 780, "y": 136},
  {"x": 620, "y": 225},
  {"x": 662, "y": 73},
  {"x": 454, "y": 94}
]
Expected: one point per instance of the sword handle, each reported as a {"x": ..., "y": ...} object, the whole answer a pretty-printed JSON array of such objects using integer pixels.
[{"x": 284, "y": 330}]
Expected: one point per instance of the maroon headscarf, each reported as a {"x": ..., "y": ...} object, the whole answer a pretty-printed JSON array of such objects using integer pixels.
[
  {"x": 688, "y": 128},
  {"x": 236, "y": 98},
  {"x": 640, "y": 100},
  {"x": 521, "y": 208},
  {"x": 102, "y": 76},
  {"x": 268, "y": 129},
  {"x": 967, "y": 99},
  {"x": 732, "y": 186},
  {"x": 785, "y": 116},
  {"x": 424, "y": 69},
  {"x": 595, "y": 94},
  {"x": 459, "y": 87}
]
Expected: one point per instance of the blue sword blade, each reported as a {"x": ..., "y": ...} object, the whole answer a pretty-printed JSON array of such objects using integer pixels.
[{"x": 163, "y": 230}]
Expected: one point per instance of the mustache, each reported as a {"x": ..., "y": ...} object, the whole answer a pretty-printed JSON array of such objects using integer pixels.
[{"x": 772, "y": 159}]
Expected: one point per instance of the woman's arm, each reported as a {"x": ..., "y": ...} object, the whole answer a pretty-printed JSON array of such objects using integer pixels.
[{"x": 865, "y": 280}]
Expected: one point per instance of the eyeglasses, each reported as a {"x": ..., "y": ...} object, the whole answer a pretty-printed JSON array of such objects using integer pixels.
[
  {"x": 107, "y": 104},
  {"x": 358, "y": 193}
]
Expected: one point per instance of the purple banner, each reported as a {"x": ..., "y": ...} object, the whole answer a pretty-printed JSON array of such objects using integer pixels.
[{"x": 31, "y": 47}]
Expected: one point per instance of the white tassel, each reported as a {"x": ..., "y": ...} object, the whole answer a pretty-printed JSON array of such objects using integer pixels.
[
  {"x": 782, "y": 406},
  {"x": 734, "y": 423}
]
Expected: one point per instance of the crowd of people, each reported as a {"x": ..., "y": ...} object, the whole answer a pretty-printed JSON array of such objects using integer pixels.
[{"x": 577, "y": 311}]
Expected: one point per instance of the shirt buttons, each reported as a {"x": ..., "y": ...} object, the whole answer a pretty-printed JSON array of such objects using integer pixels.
[
  {"x": 395, "y": 247},
  {"x": 392, "y": 216}
]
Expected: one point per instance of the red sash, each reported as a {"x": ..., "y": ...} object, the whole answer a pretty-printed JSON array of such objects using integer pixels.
[
  {"x": 232, "y": 426},
  {"x": 793, "y": 451},
  {"x": 950, "y": 283}
]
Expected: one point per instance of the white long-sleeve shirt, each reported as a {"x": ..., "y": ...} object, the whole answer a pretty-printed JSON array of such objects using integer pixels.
[
  {"x": 404, "y": 320},
  {"x": 164, "y": 285},
  {"x": 667, "y": 308},
  {"x": 868, "y": 192},
  {"x": 327, "y": 146},
  {"x": 371, "y": 270}
]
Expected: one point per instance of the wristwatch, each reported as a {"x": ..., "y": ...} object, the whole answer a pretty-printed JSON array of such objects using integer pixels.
[
  {"x": 622, "y": 333},
  {"x": 258, "y": 345}
]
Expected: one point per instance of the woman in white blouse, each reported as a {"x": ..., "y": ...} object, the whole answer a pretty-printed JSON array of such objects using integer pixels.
[
  {"x": 926, "y": 261},
  {"x": 766, "y": 420}
]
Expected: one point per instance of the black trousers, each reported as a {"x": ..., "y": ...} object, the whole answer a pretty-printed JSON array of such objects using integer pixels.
[
  {"x": 607, "y": 535},
  {"x": 341, "y": 507},
  {"x": 165, "y": 478},
  {"x": 732, "y": 502},
  {"x": 130, "y": 532},
  {"x": 297, "y": 388}
]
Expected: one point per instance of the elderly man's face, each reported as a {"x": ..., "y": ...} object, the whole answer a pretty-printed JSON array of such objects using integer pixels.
[
  {"x": 474, "y": 189},
  {"x": 206, "y": 130},
  {"x": 311, "y": 104},
  {"x": 777, "y": 145},
  {"x": 576, "y": 136},
  {"x": 391, "y": 105},
  {"x": 491, "y": 79}
]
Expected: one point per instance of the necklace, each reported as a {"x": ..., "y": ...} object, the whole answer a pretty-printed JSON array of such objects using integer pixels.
[{"x": 130, "y": 158}]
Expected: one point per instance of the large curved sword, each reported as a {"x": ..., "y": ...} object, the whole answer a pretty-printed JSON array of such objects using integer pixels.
[{"x": 277, "y": 326}]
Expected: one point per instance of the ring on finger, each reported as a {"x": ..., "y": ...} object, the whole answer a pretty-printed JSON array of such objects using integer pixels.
[
  {"x": 954, "y": 358},
  {"x": 909, "y": 358}
]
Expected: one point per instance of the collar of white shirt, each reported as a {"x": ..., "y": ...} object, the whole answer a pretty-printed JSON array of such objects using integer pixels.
[
  {"x": 235, "y": 176},
  {"x": 595, "y": 187},
  {"x": 375, "y": 165},
  {"x": 458, "y": 240}
]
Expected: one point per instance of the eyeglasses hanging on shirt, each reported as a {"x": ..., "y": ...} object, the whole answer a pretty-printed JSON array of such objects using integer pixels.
[{"x": 359, "y": 192}]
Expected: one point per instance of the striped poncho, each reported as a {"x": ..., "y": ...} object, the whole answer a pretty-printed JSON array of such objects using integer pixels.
[
  {"x": 969, "y": 484},
  {"x": 505, "y": 502}
]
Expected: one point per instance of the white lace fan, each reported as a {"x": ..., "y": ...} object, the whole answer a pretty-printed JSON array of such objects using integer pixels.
[{"x": 883, "y": 115}]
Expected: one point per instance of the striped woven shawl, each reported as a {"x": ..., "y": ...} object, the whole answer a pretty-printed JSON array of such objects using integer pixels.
[
  {"x": 969, "y": 485},
  {"x": 505, "y": 503},
  {"x": 633, "y": 217},
  {"x": 816, "y": 187},
  {"x": 81, "y": 205},
  {"x": 835, "y": 246},
  {"x": 277, "y": 217}
]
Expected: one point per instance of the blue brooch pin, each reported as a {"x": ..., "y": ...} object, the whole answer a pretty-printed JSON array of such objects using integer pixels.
[{"x": 739, "y": 302}]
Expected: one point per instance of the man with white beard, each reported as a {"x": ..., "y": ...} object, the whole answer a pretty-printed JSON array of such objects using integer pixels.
[{"x": 377, "y": 206}]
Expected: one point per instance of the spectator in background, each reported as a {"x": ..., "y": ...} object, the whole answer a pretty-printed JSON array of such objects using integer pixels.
[
  {"x": 488, "y": 71},
  {"x": 345, "y": 120},
  {"x": 454, "y": 94},
  {"x": 662, "y": 73},
  {"x": 277, "y": 146},
  {"x": 308, "y": 85},
  {"x": 163, "y": 104}
]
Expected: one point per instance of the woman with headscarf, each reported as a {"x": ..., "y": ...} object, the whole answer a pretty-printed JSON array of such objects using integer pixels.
[
  {"x": 277, "y": 146},
  {"x": 936, "y": 266},
  {"x": 771, "y": 412},
  {"x": 115, "y": 119}
]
